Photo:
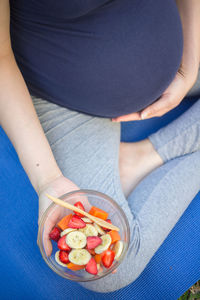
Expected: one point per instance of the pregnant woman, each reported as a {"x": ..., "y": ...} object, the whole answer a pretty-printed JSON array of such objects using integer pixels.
[{"x": 70, "y": 71}]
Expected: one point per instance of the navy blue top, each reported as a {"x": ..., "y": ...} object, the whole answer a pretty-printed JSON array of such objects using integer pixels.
[{"x": 102, "y": 57}]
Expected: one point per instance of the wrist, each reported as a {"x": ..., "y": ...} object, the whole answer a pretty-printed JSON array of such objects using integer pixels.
[
  {"x": 45, "y": 179},
  {"x": 189, "y": 70},
  {"x": 189, "y": 14}
]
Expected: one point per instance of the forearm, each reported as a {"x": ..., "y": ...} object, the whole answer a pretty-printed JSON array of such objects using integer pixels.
[
  {"x": 190, "y": 17},
  {"x": 20, "y": 122}
]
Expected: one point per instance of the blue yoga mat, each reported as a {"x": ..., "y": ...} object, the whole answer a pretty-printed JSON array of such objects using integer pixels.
[{"x": 24, "y": 274}]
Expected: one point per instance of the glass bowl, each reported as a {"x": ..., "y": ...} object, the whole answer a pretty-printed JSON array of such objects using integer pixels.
[{"x": 88, "y": 198}]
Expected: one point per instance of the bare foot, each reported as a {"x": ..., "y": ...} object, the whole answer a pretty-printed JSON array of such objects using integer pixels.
[{"x": 136, "y": 160}]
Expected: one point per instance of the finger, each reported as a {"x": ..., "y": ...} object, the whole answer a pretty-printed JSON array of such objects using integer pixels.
[
  {"x": 160, "y": 107},
  {"x": 130, "y": 117}
]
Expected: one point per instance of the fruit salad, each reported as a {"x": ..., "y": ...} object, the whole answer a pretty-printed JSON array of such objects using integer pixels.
[{"x": 83, "y": 244}]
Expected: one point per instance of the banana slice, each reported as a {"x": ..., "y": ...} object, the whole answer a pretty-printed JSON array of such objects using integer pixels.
[
  {"x": 99, "y": 229},
  {"x": 66, "y": 231},
  {"x": 118, "y": 248},
  {"x": 76, "y": 239},
  {"x": 98, "y": 267},
  {"x": 86, "y": 220},
  {"x": 89, "y": 230},
  {"x": 57, "y": 259},
  {"x": 106, "y": 241},
  {"x": 79, "y": 256}
]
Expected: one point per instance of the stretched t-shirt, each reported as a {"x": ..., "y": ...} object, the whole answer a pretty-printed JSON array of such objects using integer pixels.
[{"x": 105, "y": 58}]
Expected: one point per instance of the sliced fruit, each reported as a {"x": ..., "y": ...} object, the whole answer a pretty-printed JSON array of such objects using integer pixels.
[
  {"x": 97, "y": 258},
  {"x": 91, "y": 267},
  {"x": 93, "y": 242},
  {"x": 107, "y": 229},
  {"x": 89, "y": 230},
  {"x": 74, "y": 267},
  {"x": 63, "y": 223},
  {"x": 76, "y": 222},
  {"x": 106, "y": 241},
  {"x": 57, "y": 259},
  {"x": 54, "y": 234},
  {"x": 63, "y": 256},
  {"x": 108, "y": 258},
  {"x": 62, "y": 245},
  {"x": 66, "y": 231},
  {"x": 79, "y": 205},
  {"x": 87, "y": 220},
  {"x": 79, "y": 256},
  {"x": 97, "y": 212},
  {"x": 115, "y": 236},
  {"x": 76, "y": 239},
  {"x": 99, "y": 229},
  {"x": 118, "y": 248}
]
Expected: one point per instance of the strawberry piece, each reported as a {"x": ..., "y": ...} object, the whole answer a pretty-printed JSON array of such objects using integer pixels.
[
  {"x": 63, "y": 256},
  {"x": 107, "y": 258},
  {"x": 62, "y": 245},
  {"x": 93, "y": 242},
  {"x": 54, "y": 234},
  {"x": 91, "y": 267},
  {"x": 76, "y": 222},
  {"x": 107, "y": 229},
  {"x": 79, "y": 205}
]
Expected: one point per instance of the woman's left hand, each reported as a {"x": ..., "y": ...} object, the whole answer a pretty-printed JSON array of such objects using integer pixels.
[{"x": 171, "y": 97}]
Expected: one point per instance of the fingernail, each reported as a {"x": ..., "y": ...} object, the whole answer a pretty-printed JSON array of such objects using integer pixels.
[{"x": 144, "y": 115}]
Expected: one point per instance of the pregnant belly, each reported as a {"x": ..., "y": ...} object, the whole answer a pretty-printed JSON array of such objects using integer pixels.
[
  {"x": 129, "y": 58},
  {"x": 113, "y": 61}
]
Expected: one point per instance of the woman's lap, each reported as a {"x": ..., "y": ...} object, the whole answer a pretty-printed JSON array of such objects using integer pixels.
[{"x": 86, "y": 149}]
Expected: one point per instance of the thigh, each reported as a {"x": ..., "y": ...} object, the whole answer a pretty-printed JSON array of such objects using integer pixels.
[
  {"x": 160, "y": 200},
  {"x": 158, "y": 203}
]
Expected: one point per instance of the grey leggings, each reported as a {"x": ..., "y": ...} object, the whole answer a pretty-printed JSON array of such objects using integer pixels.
[{"x": 86, "y": 149}]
